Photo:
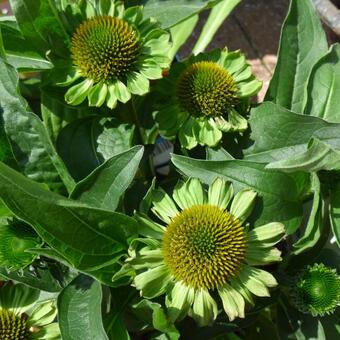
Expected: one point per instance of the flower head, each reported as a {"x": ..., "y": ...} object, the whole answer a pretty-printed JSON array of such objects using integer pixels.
[
  {"x": 22, "y": 317},
  {"x": 114, "y": 54},
  {"x": 204, "y": 248},
  {"x": 205, "y": 96},
  {"x": 316, "y": 290}
]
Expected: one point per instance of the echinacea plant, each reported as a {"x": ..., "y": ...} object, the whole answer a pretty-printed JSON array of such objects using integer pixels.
[
  {"x": 114, "y": 54},
  {"x": 206, "y": 95},
  {"x": 206, "y": 246},
  {"x": 23, "y": 317},
  {"x": 150, "y": 189}
]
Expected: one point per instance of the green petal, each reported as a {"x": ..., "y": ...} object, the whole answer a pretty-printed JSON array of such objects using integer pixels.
[
  {"x": 18, "y": 298},
  {"x": 263, "y": 276},
  {"x": 111, "y": 99},
  {"x": 121, "y": 92},
  {"x": 182, "y": 297},
  {"x": 205, "y": 308},
  {"x": 186, "y": 135},
  {"x": 77, "y": 93},
  {"x": 44, "y": 313},
  {"x": 239, "y": 287},
  {"x": 237, "y": 122},
  {"x": 243, "y": 74},
  {"x": 243, "y": 204},
  {"x": 159, "y": 45},
  {"x": 133, "y": 15},
  {"x": 149, "y": 228},
  {"x": 249, "y": 88},
  {"x": 220, "y": 193},
  {"x": 234, "y": 61},
  {"x": 97, "y": 94},
  {"x": 268, "y": 234},
  {"x": 137, "y": 83},
  {"x": 153, "y": 282},
  {"x": 49, "y": 332},
  {"x": 163, "y": 206},
  {"x": 233, "y": 302},
  {"x": 222, "y": 124},
  {"x": 257, "y": 256},
  {"x": 151, "y": 69},
  {"x": 207, "y": 132},
  {"x": 252, "y": 283},
  {"x": 147, "y": 258},
  {"x": 118, "y": 7},
  {"x": 189, "y": 193}
]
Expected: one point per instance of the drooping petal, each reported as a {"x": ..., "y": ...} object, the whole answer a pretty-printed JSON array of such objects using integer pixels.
[
  {"x": 121, "y": 92},
  {"x": 44, "y": 313},
  {"x": 149, "y": 228},
  {"x": 182, "y": 297},
  {"x": 220, "y": 193},
  {"x": 261, "y": 256},
  {"x": 263, "y": 276},
  {"x": 237, "y": 122},
  {"x": 207, "y": 133},
  {"x": 243, "y": 204},
  {"x": 233, "y": 302},
  {"x": 236, "y": 283},
  {"x": 137, "y": 83},
  {"x": 97, "y": 94},
  {"x": 256, "y": 286},
  {"x": 249, "y": 88},
  {"x": 76, "y": 94},
  {"x": 186, "y": 134},
  {"x": 163, "y": 206},
  {"x": 153, "y": 282},
  {"x": 111, "y": 98},
  {"x": 267, "y": 235},
  {"x": 204, "y": 308}
]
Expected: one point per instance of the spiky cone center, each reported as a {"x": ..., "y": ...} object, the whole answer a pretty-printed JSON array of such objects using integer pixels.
[
  {"x": 13, "y": 327},
  {"x": 318, "y": 290},
  {"x": 205, "y": 88},
  {"x": 204, "y": 246},
  {"x": 105, "y": 48}
]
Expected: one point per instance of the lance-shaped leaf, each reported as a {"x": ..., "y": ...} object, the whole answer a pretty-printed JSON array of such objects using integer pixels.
[
  {"x": 280, "y": 192},
  {"x": 303, "y": 43},
  {"x": 105, "y": 185},
  {"x": 33, "y": 149},
  {"x": 324, "y": 87},
  {"x": 79, "y": 310},
  {"x": 88, "y": 238},
  {"x": 280, "y": 134}
]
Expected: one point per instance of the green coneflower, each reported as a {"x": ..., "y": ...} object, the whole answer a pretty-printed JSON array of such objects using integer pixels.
[
  {"x": 205, "y": 248},
  {"x": 114, "y": 54},
  {"x": 204, "y": 96},
  {"x": 316, "y": 290},
  {"x": 22, "y": 317}
]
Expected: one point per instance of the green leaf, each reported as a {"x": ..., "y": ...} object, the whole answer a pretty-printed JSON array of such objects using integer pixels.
[
  {"x": 180, "y": 34},
  {"x": 43, "y": 274},
  {"x": 31, "y": 144},
  {"x": 88, "y": 238},
  {"x": 274, "y": 130},
  {"x": 280, "y": 193},
  {"x": 303, "y": 42},
  {"x": 105, "y": 185},
  {"x": 315, "y": 225},
  {"x": 15, "y": 240},
  {"x": 79, "y": 310},
  {"x": 324, "y": 86},
  {"x": 40, "y": 24},
  {"x": 319, "y": 156},
  {"x": 91, "y": 141},
  {"x": 171, "y": 12},
  {"x": 20, "y": 53},
  {"x": 216, "y": 18},
  {"x": 335, "y": 211}
]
